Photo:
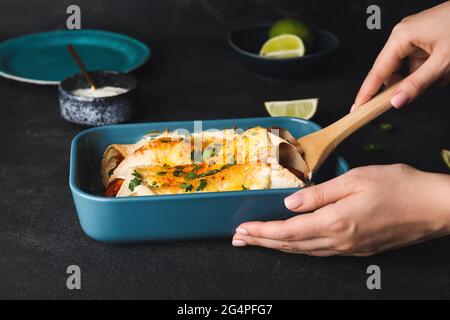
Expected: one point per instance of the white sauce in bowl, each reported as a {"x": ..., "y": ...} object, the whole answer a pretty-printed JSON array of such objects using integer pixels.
[{"x": 99, "y": 92}]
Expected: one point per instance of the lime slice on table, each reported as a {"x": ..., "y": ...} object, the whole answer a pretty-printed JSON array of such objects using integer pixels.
[
  {"x": 284, "y": 46},
  {"x": 446, "y": 157},
  {"x": 304, "y": 109}
]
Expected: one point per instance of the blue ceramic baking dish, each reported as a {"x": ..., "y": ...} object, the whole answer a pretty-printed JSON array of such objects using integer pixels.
[{"x": 172, "y": 217}]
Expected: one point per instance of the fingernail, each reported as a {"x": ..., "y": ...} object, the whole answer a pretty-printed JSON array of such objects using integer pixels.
[
  {"x": 399, "y": 99},
  {"x": 242, "y": 231},
  {"x": 238, "y": 243},
  {"x": 352, "y": 108},
  {"x": 293, "y": 201}
]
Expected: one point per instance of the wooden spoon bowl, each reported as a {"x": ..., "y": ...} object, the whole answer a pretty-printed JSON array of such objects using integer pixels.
[{"x": 307, "y": 153}]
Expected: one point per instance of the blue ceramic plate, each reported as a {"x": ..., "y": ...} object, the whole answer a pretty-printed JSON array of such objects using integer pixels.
[
  {"x": 180, "y": 216},
  {"x": 43, "y": 57}
]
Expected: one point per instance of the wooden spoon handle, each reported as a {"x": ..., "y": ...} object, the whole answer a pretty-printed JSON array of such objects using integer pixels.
[
  {"x": 318, "y": 145},
  {"x": 348, "y": 124}
]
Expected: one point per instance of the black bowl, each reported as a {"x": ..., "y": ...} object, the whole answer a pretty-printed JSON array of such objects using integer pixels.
[
  {"x": 98, "y": 111},
  {"x": 247, "y": 42}
]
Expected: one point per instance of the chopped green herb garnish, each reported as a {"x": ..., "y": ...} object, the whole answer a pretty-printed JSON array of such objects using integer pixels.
[
  {"x": 210, "y": 173},
  {"x": 165, "y": 165},
  {"x": 179, "y": 167},
  {"x": 137, "y": 180},
  {"x": 190, "y": 176},
  {"x": 161, "y": 173},
  {"x": 178, "y": 173},
  {"x": 134, "y": 183},
  {"x": 196, "y": 167},
  {"x": 187, "y": 187},
  {"x": 154, "y": 185},
  {"x": 225, "y": 166},
  {"x": 244, "y": 188},
  {"x": 137, "y": 175},
  {"x": 202, "y": 185},
  {"x": 372, "y": 147},
  {"x": 386, "y": 127}
]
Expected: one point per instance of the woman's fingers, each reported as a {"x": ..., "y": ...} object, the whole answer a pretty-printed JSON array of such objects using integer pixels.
[
  {"x": 301, "y": 227},
  {"x": 305, "y": 246},
  {"x": 295, "y": 236},
  {"x": 322, "y": 253},
  {"x": 317, "y": 196},
  {"x": 416, "y": 59},
  {"x": 387, "y": 62},
  {"x": 321, "y": 233},
  {"x": 392, "y": 79},
  {"x": 425, "y": 74}
]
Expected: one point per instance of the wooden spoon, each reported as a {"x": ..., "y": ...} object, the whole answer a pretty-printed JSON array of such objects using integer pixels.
[
  {"x": 317, "y": 146},
  {"x": 80, "y": 64}
]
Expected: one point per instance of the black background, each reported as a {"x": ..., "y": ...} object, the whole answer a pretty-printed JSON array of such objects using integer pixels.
[{"x": 193, "y": 75}]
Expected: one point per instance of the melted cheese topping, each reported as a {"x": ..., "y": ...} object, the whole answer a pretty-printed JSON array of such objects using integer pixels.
[
  {"x": 227, "y": 146},
  {"x": 152, "y": 180},
  {"x": 172, "y": 162}
]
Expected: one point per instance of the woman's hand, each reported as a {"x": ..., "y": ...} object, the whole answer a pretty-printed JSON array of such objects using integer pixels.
[
  {"x": 423, "y": 38},
  {"x": 365, "y": 211}
]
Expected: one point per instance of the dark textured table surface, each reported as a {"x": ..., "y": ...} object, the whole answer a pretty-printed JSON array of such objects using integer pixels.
[{"x": 193, "y": 75}]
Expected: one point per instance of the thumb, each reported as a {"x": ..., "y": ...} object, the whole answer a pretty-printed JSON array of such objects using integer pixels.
[
  {"x": 317, "y": 196},
  {"x": 413, "y": 85}
]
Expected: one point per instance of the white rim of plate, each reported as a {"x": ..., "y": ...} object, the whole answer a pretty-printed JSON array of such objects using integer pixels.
[
  {"x": 53, "y": 83},
  {"x": 56, "y": 82}
]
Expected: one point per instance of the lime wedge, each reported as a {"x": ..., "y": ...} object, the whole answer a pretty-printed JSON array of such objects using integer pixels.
[
  {"x": 295, "y": 27},
  {"x": 446, "y": 157},
  {"x": 304, "y": 109},
  {"x": 284, "y": 46}
]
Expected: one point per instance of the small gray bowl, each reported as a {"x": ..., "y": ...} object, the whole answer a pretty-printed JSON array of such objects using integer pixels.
[{"x": 98, "y": 111}]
